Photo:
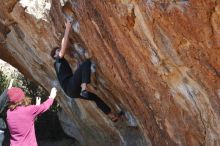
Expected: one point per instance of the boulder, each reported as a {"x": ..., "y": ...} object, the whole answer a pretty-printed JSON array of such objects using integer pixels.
[{"x": 156, "y": 60}]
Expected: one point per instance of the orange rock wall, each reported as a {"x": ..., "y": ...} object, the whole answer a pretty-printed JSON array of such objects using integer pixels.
[{"x": 157, "y": 60}]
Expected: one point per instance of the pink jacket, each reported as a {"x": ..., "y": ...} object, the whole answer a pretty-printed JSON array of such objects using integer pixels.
[{"x": 21, "y": 123}]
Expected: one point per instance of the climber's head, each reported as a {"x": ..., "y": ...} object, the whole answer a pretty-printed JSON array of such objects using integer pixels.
[{"x": 55, "y": 52}]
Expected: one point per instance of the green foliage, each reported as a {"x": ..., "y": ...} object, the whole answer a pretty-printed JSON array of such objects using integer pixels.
[
  {"x": 3, "y": 81},
  {"x": 33, "y": 90},
  {"x": 30, "y": 88}
]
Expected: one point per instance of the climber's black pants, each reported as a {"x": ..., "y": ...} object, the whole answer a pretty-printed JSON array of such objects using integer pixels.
[
  {"x": 100, "y": 103},
  {"x": 73, "y": 83}
]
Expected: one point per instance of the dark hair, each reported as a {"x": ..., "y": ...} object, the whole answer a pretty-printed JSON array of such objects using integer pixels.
[
  {"x": 24, "y": 102},
  {"x": 52, "y": 53}
]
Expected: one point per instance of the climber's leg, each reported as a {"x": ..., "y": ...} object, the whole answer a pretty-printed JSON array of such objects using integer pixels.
[
  {"x": 86, "y": 71},
  {"x": 102, "y": 106},
  {"x": 100, "y": 103},
  {"x": 77, "y": 83},
  {"x": 86, "y": 74}
]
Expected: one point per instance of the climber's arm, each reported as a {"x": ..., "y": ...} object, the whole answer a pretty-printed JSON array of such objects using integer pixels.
[{"x": 65, "y": 39}]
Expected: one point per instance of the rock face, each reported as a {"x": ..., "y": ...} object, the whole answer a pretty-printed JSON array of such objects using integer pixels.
[{"x": 157, "y": 60}]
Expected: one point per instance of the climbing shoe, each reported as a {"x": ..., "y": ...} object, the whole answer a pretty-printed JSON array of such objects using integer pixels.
[{"x": 84, "y": 94}]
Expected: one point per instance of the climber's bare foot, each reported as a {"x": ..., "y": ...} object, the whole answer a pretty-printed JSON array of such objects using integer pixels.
[{"x": 113, "y": 117}]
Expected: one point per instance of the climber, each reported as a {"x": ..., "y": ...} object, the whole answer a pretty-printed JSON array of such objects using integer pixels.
[{"x": 75, "y": 84}]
